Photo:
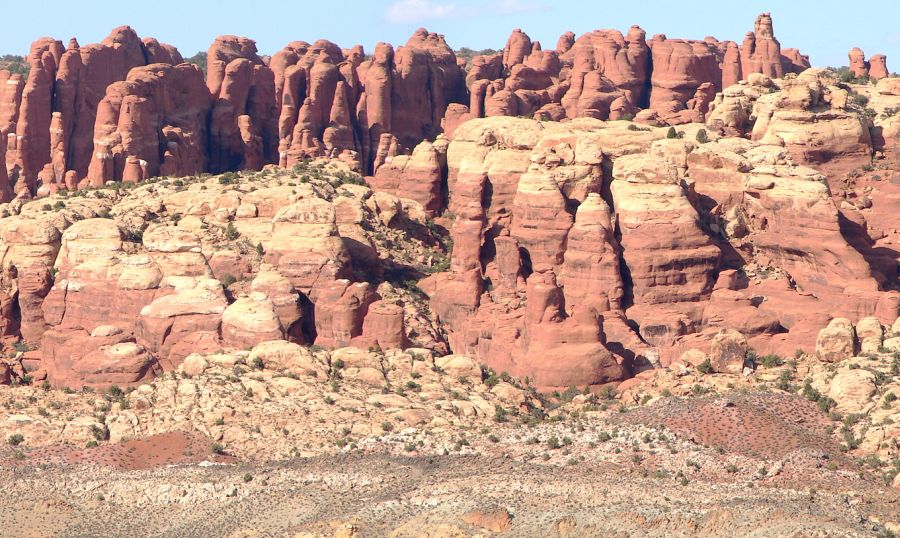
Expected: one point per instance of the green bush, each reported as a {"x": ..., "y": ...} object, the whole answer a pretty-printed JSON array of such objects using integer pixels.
[
  {"x": 770, "y": 361},
  {"x": 705, "y": 367},
  {"x": 859, "y": 100}
]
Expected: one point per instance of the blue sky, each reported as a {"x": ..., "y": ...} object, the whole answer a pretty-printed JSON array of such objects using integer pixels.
[{"x": 824, "y": 29}]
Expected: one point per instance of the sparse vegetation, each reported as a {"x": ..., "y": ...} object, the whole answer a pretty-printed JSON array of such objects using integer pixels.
[{"x": 705, "y": 367}]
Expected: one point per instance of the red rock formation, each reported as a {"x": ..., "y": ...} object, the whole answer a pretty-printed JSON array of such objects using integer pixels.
[
  {"x": 575, "y": 342},
  {"x": 816, "y": 122},
  {"x": 858, "y": 65},
  {"x": 590, "y": 274},
  {"x": 565, "y": 43},
  {"x": 152, "y": 123},
  {"x": 875, "y": 68},
  {"x": 679, "y": 69},
  {"x": 380, "y": 96},
  {"x": 101, "y": 65},
  {"x": 540, "y": 222},
  {"x": 383, "y": 327},
  {"x": 161, "y": 53},
  {"x": 12, "y": 86},
  {"x": 33, "y": 128},
  {"x": 418, "y": 177},
  {"x": 34, "y": 284},
  {"x": 426, "y": 61},
  {"x": 793, "y": 61},
  {"x": 761, "y": 52},
  {"x": 74, "y": 358},
  {"x": 340, "y": 310},
  {"x": 518, "y": 47},
  {"x": 59, "y": 103},
  {"x": 878, "y": 67},
  {"x": 665, "y": 268},
  {"x": 258, "y": 115},
  {"x": 243, "y": 122},
  {"x": 606, "y": 75},
  {"x": 6, "y": 191},
  {"x": 732, "y": 72}
]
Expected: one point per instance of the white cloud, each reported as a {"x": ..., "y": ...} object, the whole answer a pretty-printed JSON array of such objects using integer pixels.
[
  {"x": 415, "y": 11},
  {"x": 419, "y": 11},
  {"x": 507, "y": 7}
]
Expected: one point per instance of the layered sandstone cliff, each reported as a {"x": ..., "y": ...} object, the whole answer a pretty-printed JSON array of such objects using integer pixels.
[{"x": 113, "y": 111}]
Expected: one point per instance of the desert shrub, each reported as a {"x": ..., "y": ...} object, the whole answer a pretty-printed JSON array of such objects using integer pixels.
[
  {"x": 705, "y": 367},
  {"x": 770, "y": 361},
  {"x": 859, "y": 100}
]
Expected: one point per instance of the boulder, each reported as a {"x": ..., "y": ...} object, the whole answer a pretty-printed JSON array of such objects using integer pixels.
[
  {"x": 280, "y": 355},
  {"x": 728, "y": 351},
  {"x": 187, "y": 308},
  {"x": 837, "y": 341},
  {"x": 125, "y": 364},
  {"x": 852, "y": 390},
  {"x": 250, "y": 320},
  {"x": 870, "y": 335}
]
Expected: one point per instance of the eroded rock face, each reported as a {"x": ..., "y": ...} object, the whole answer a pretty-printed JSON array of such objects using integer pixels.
[
  {"x": 597, "y": 228},
  {"x": 342, "y": 106},
  {"x": 878, "y": 67},
  {"x": 679, "y": 69},
  {"x": 585, "y": 249},
  {"x": 243, "y": 120},
  {"x": 808, "y": 114},
  {"x": 837, "y": 341},
  {"x": 607, "y": 75},
  {"x": 61, "y": 101},
  {"x": 249, "y": 321},
  {"x": 96, "y": 113},
  {"x": 417, "y": 177},
  {"x": 761, "y": 52},
  {"x": 728, "y": 351},
  {"x": 314, "y": 100},
  {"x": 109, "y": 290},
  {"x": 158, "y": 106}
]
